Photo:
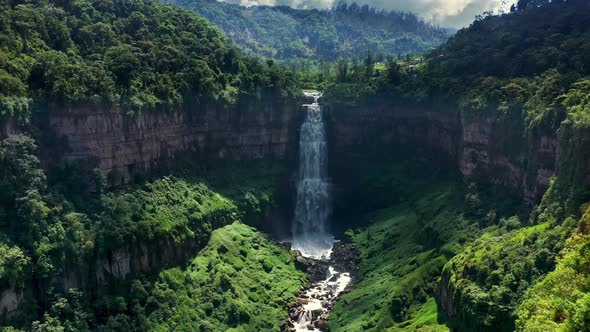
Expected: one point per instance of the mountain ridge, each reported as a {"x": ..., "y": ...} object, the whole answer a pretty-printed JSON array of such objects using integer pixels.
[{"x": 345, "y": 30}]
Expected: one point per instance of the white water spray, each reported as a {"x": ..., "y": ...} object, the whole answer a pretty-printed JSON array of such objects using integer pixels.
[{"x": 313, "y": 207}]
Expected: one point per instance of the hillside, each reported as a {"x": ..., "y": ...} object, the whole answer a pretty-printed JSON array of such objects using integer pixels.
[
  {"x": 342, "y": 32},
  {"x": 505, "y": 102},
  {"x": 134, "y": 56},
  {"x": 84, "y": 227}
]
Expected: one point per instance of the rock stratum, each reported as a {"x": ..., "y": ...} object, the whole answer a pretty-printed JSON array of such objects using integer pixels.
[
  {"x": 133, "y": 145},
  {"x": 483, "y": 148}
]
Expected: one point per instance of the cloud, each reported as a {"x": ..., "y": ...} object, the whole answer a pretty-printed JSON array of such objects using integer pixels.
[{"x": 447, "y": 13}]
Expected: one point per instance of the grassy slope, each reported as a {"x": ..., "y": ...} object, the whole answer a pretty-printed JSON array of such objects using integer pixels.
[
  {"x": 239, "y": 282},
  {"x": 402, "y": 255}
]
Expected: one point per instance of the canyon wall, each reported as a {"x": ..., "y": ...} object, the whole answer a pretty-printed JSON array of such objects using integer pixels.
[
  {"x": 495, "y": 150},
  {"x": 485, "y": 148},
  {"x": 422, "y": 133},
  {"x": 492, "y": 148},
  {"x": 132, "y": 145},
  {"x": 7, "y": 128}
]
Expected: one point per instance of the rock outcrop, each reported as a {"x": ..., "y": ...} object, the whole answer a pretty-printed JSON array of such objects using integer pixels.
[
  {"x": 133, "y": 145},
  {"x": 422, "y": 133},
  {"x": 7, "y": 128},
  {"x": 495, "y": 150},
  {"x": 10, "y": 300},
  {"x": 484, "y": 148}
]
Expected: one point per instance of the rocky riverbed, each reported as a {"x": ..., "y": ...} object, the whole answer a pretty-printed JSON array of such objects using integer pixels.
[{"x": 329, "y": 279}]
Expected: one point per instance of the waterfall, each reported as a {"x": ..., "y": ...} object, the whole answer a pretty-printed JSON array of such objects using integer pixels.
[
  {"x": 310, "y": 227},
  {"x": 313, "y": 206}
]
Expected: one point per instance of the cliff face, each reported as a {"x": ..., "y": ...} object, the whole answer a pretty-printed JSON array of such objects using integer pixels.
[
  {"x": 134, "y": 145},
  {"x": 7, "y": 128},
  {"x": 422, "y": 133},
  {"x": 484, "y": 148},
  {"x": 495, "y": 150},
  {"x": 128, "y": 261},
  {"x": 492, "y": 149}
]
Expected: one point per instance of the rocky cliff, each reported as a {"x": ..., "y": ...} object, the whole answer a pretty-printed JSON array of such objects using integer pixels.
[
  {"x": 422, "y": 133},
  {"x": 495, "y": 150},
  {"x": 132, "y": 145},
  {"x": 484, "y": 148},
  {"x": 7, "y": 128}
]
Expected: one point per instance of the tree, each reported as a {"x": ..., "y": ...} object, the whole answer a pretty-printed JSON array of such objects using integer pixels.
[
  {"x": 342, "y": 70},
  {"x": 369, "y": 65},
  {"x": 19, "y": 168},
  {"x": 393, "y": 71}
]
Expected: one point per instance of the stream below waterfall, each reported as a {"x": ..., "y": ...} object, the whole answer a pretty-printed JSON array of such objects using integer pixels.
[
  {"x": 314, "y": 305},
  {"x": 311, "y": 236}
]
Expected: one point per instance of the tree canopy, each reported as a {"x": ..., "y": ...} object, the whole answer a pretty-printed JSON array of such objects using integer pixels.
[
  {"x": 346, "y": 30},
  {"x": 132, "y": 54}
]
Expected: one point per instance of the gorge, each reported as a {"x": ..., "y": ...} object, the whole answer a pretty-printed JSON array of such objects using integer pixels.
[{"x": 152, "y": 175}]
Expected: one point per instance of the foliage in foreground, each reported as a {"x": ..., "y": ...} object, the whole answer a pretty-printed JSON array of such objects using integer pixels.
[
  {"x": 489, "y": 278},
  {"x": 561, "y": 301},
  {"x": 44, "y": 236},
  {"x": 239, "y": 282}
]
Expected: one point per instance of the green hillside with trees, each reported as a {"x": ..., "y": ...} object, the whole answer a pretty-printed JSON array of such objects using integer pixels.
[
  {"x": 527, "y": 69},
  {"x": 130, "y": 55},
  {"x": 344, "y": 31}
]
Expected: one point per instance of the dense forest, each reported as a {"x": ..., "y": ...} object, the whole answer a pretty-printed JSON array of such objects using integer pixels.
[
  {"x": 341, "y": 32},
  {"x": 66, "y": 231},
  {"x": 131, "y": 55}
]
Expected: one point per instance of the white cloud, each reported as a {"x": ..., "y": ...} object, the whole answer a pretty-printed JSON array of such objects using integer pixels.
[{"x": 448, "y": 13}]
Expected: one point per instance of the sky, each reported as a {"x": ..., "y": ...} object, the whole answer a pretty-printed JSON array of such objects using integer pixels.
[{"x": 446, "y": 13}]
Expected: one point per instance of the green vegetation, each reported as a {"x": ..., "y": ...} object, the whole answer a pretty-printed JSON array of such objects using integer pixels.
[
  {"x": 496, "y": 64},
  {"x": 560, "y": 301},
  {"x": 526, "y": 73},
  {"x": 44, "y": 236},
  {"x": 239, "y": 282},
  {"x": 14, "y": 266},
  {"x": 492, "y": 275},
  {"x": 344, "y": 31},
  {"x": 134, "y": 55},
  {"x": 400, "y": 265},
  {"x": 404, "y": 250},
  {"x": 255, "y": 187},
  {"x": 165, "y": 208},
  {"x": 436, "y": 252}
]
